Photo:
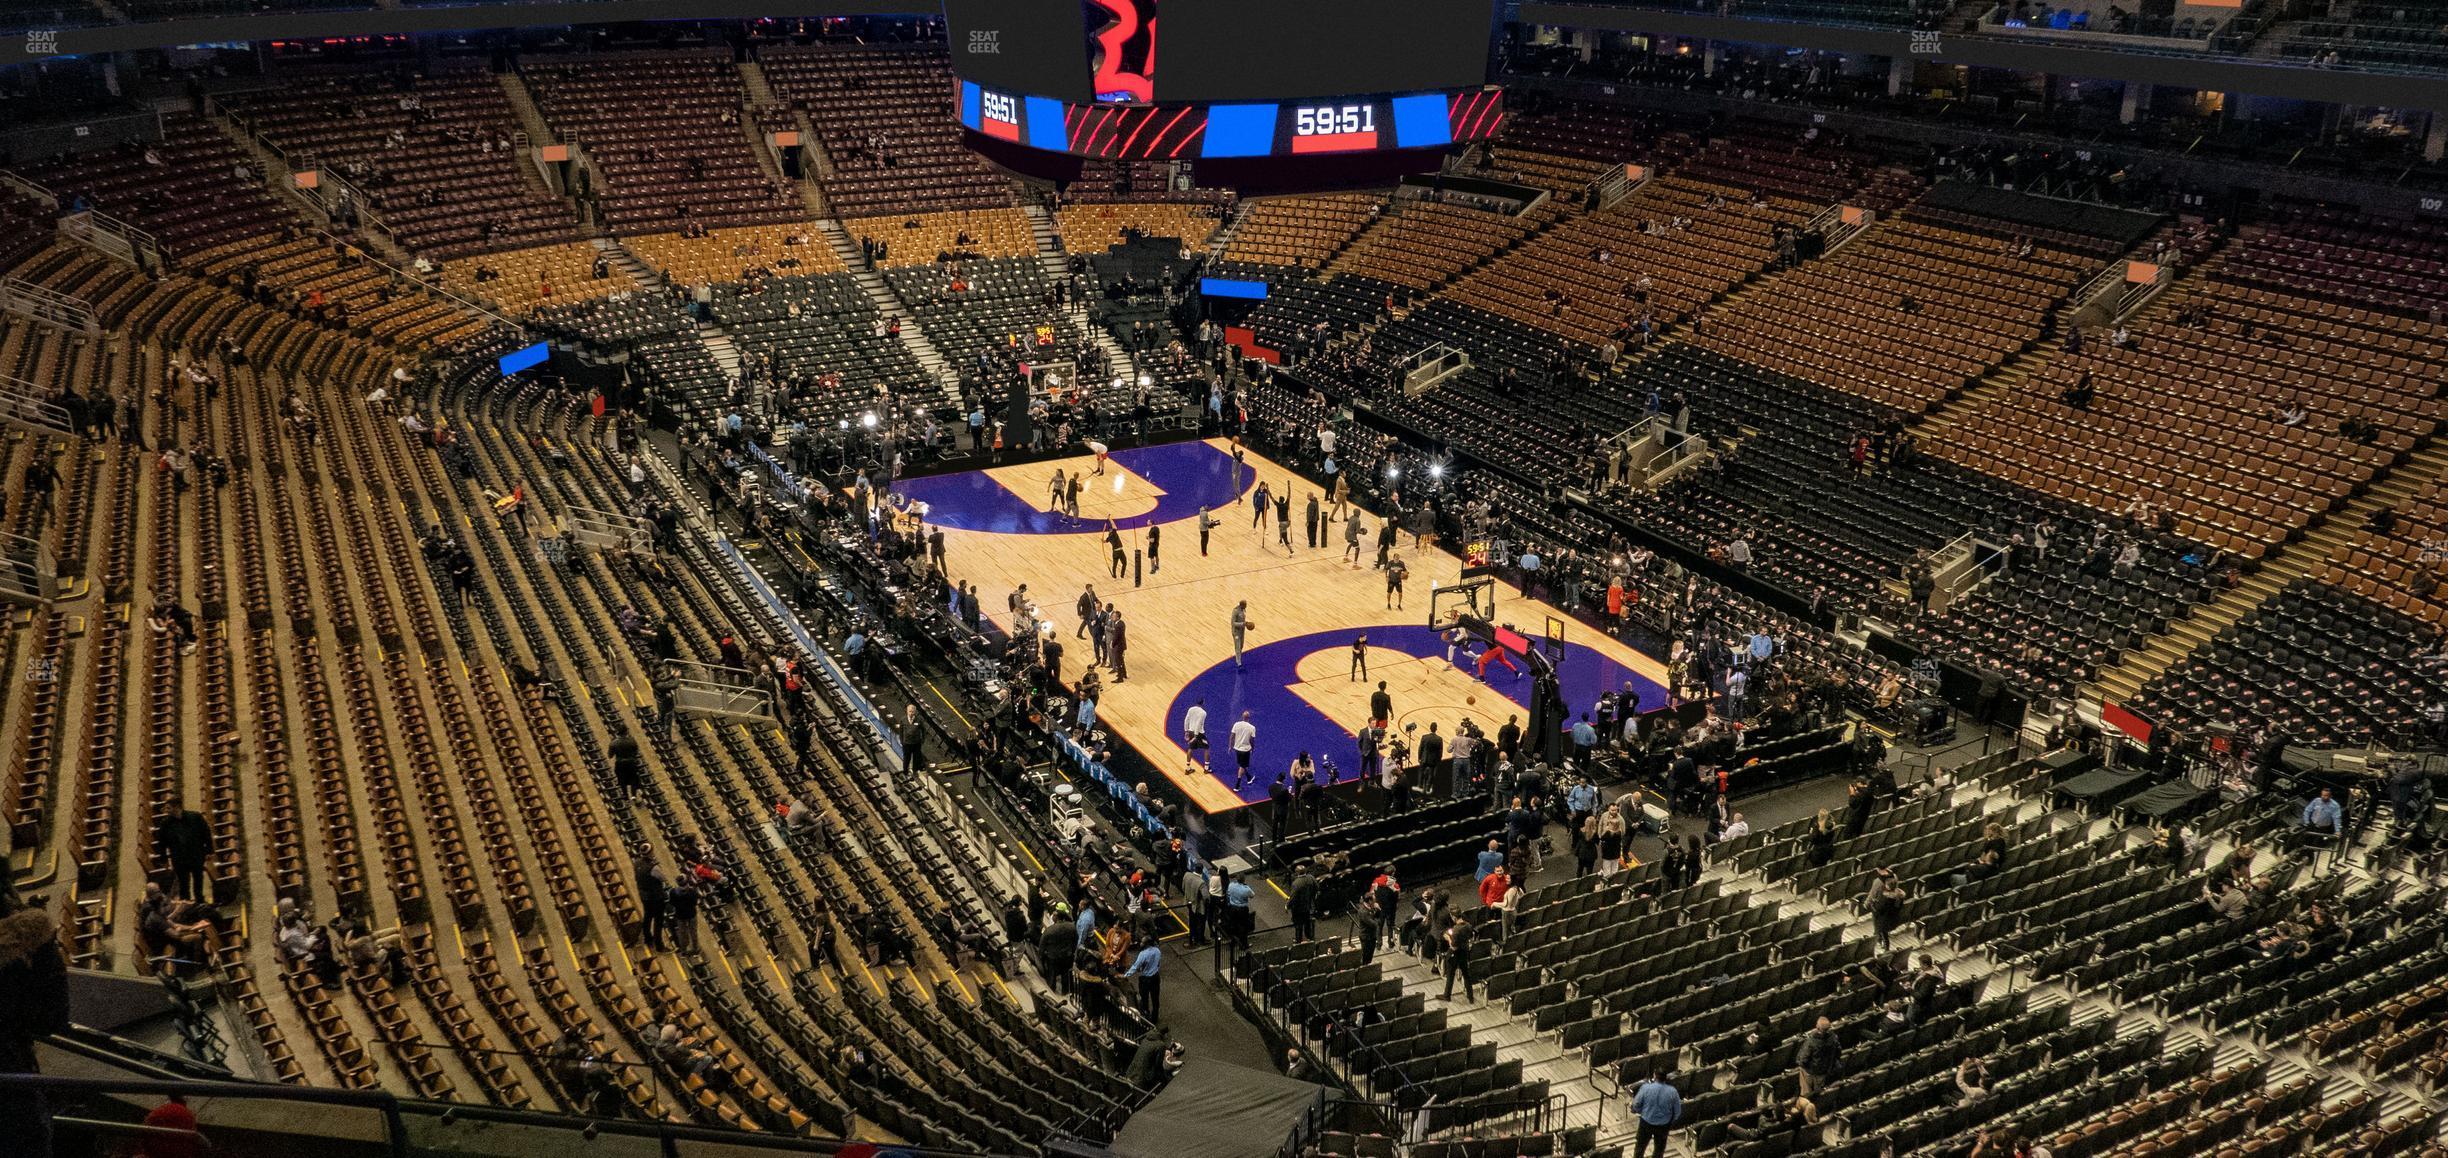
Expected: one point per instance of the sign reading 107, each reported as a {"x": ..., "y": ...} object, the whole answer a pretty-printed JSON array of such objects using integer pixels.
[{"x": 1332, "y": 119}]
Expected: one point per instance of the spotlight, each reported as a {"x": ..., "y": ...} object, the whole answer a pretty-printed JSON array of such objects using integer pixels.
[
  {"x": 1393, "y": 472},
  {"x": 845, "y": 424},
  {"x": 867, "y": 420},
  {"x": 1120, "y": 381},
  {"x": 1147, "y": 379},
  {"x": 1436, "y": 470}
]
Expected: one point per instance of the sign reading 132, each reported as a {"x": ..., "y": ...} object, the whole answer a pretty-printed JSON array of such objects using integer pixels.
[{"x": 1329, "y": 120}]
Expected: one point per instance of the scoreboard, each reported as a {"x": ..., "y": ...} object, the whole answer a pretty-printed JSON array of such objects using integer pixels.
[
  {"x": 1233, "y": 129},
  {"x": 1210, "y": 51},
  {"x": 1154, "y": 79}
]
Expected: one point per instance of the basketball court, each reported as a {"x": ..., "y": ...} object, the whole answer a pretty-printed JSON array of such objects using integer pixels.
[{"x": 1002, "y": 529}]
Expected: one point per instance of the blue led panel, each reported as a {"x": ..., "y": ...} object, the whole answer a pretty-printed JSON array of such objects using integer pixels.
[
  {"x": 1239, "y": 131},
  {"x": 517, "y": 360},
  {"x": 1421, "y": 121},
  {"x": 1231, "y": 287},
  {"x": 1045, "y": 123},
  {"x": 969, "y": 103}
]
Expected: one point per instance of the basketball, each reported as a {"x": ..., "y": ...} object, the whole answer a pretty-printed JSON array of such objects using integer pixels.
[{"x": 1469, "y": 700}]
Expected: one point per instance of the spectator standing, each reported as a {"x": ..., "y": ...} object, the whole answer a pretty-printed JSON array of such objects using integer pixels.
[
  {"x": 1458, "y": 954},
  {"x": 34, "y": 974},
  {"x": 1660, "y": 1105},
  {"x": 1819, "y": 1057},
  {"x": 1148, "y": 968},
  {"x": 185, "y": 840},
  {"x": 1886, "y": 904},
  {"x": 1302, "y": 901}
]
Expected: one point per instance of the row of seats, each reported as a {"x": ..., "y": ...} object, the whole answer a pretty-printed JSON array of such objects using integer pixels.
[
  {"x": 1421, "y": 244},
  {"x": 1908, "y": 315},
  {"x": 436, "y": 153},
  {"x": 927, "y": 238},
  {"x": 719, "y": 256},
  {"x": 662, "y": 136},
  {"x": 1299, "y": 231},
  {"x": 1094, "y": 227},
  {"x": 884, "y": 116}
]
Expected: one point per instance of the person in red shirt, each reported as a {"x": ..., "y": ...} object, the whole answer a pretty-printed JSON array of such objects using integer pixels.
[
  {"x": 1492, "y": 890},
  {"x": 171, "y": 1115}
]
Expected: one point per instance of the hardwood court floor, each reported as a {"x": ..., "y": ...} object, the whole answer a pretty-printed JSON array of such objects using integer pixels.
[{"x": 1305, "y": 606}]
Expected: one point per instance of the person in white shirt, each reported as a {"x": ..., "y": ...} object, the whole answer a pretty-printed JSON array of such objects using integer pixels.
[
  {"x": 1244, "y": 738},
  {"x": 1736, "y": 829},
  {"x": 1194, "y": 734}
]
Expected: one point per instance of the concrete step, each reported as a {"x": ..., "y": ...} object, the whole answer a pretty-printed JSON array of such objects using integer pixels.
[
  {"x": 530, "y": 117},
  {"x": 880, "y": 295},
  {"x": 719, "y": 344},
  {"x": 752, "y": 79}
]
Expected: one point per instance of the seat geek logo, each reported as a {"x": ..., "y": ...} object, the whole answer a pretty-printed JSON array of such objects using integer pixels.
[
  {"x": 42, "y": 44},
  {"x": 985, "y": 42}
]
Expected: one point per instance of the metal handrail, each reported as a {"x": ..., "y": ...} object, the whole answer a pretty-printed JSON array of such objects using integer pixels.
[
  {"x": 43, "y": 303},
  {"x": 49, "y": 199},
  {"x": 395, "y": 1128},
  {"x": 193, "y": 1138},
  {"x": 395, "y": 1111},
  {"x": 419, "y": 281}
]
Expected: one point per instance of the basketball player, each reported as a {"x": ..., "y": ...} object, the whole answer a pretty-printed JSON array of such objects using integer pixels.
[
  {"x": 1499, "y": 653},
  {"x": 1244, "y": 738},
  {"x": 1194, "y": 733}
]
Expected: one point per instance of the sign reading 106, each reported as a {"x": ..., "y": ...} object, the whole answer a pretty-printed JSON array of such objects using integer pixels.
[{"x": 1329, "y": 120}]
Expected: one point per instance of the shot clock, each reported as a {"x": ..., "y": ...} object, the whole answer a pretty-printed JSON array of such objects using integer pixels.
[{"x": 1334, "y": 128}]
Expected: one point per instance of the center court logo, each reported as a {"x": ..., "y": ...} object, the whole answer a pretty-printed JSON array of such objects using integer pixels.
[{"x": 985, "y": 42}]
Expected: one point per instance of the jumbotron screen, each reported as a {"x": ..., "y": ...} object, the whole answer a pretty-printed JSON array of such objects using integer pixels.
[
  {"x": 1233, "y": 129},
  {"x": 1021, "y": 46},
  {"x": 1199, "y": 51}
]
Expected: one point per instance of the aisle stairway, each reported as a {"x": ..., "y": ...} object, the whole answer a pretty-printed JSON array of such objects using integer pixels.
[
  {"x": 887, "y": 303},
  {"x": 1223, "y": 236},
  {"x": 716, "y": 340},
  {"x": 2294, "y": 561},
  {"x": 1057, "y": 267},
  {"x": 530, "y": 118},
  {"x": 761, "y": 96}
]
